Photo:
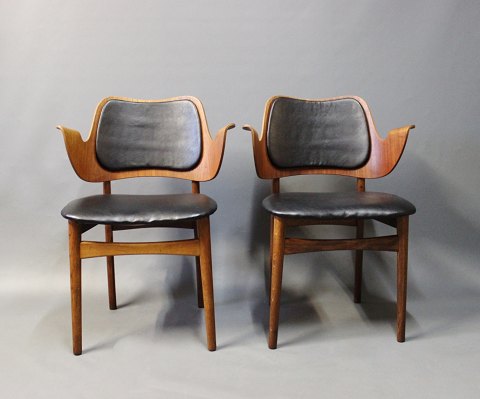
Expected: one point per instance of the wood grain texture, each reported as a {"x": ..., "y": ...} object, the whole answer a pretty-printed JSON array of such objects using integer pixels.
[
  {"x": 402, "y": 261},
  {"x": 82, "y": 154},
  {"x": 112, "y": 295},
  {"x": 357, "y": 288},
  {"x": 384, "y": 153},
  {"x": 313, "y": 221},
  {"x": 203, "y": 227},
  {"x": 357, "y": 285},
  {"x": 301, "y": 245},
  {"x": 75, "y": 285},
  {"x": 198, "y": 275},
  {"x": 276, "y": 280},
  {"x": 275, "y": 186},
  {"x": 93, "y": 249},
  {"x": 181, "y": 224},
  {"x": 198, "y": 269}
]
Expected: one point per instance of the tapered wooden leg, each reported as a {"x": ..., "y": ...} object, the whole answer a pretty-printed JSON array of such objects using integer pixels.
[
  {"x": 357, "y": 291},
  {"x": 278, "y": 245},
  {"x": 75, "y": 285},
  {"x": 112, "y": 296},
  {"x": 199, "y": 277},
  {"x": 402, "y": 261},
  {"x": 203, "y": 228},
  {"x": 270, "y": 261}
]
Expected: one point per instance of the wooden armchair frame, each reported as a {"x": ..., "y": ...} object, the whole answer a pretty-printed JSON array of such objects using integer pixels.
[
  {"x": 82, "y": 155},
  {"x": 384, "y": 156}
]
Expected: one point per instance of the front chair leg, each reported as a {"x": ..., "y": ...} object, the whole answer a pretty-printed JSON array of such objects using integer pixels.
[
  {"x": 402, "y": 261},
  {"x": 277, "y": 251},
  {"x": 75, "y": 285},
  {"x": 270, "y": 257},
  {"x": 203, "y": 229}
]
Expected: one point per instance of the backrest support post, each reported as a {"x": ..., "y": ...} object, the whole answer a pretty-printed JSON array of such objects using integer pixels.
[
  {"x": 107, "y": 187},
  {"x": 195, "y": 187},
  {"x": 275, "y": 186},
  {"x": 360, "y": 184}
]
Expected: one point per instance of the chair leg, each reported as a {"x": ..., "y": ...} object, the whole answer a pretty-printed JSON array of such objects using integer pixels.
[
  {"x": 112, "y": 296},
  {"x": 75, "y": 285},
  {"x": 203, "y": 228},
  {"x": 270, "y": 261},
  {"x": 278, "y": 245},
  {"x": 402, "y": 261},
  {"x": 357, "y": 291},
  {"x": 199, "y": 277}
]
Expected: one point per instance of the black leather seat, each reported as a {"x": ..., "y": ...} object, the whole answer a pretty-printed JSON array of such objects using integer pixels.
[
  {"x": 118, "y": 209},
  {"x": 348, "y": 205}
]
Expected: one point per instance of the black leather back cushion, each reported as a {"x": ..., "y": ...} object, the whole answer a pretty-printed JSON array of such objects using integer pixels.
[
  {"x": 134, "y": 135},
  {"x": 317, "y": 134}
]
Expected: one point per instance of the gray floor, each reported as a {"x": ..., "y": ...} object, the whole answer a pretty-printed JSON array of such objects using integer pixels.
[{"x": 154, "y": 344}]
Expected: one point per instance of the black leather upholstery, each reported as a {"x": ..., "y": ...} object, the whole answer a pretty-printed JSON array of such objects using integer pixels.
[
  {"x": 134, "y": 135},
  {"x": 317, "y": 134},
  {"x": 343, "y": 205},
  {"x": 117, "y": 209}
]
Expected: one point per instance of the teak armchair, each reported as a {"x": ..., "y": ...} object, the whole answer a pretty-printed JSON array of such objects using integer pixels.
[
  {"x": 334, "y": 136},
  {"x": 136, "y": 138}
]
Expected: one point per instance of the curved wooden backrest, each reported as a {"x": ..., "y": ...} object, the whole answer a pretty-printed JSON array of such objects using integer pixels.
[
  {"x": 383, "y": 154},
  {"x": 202, "y": 162}
]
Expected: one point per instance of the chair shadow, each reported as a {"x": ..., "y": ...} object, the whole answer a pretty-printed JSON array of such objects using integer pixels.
[
  {"x": 374, "y": 308},
  {"x": 295, "y": 310},
  {"x": 135, "y": 300},
  {"x": 379, "y": 310},
  {"x": 183, "y": 310}
]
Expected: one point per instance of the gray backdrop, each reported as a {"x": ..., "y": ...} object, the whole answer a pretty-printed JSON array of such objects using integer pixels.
[{"x": 413, "y": 61}]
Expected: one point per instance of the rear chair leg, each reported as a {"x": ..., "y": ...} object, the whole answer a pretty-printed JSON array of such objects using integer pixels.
[
  {"x": 402, "y": 261},
  {"x": 112, "y": 296},
  {"x": 75, "y": 285},
  {"x": 278, "y": 245},
  {"x": 203, "y": 228},
  {"x": 357, "y": 292},
  {"x": 199, "y": 277}
]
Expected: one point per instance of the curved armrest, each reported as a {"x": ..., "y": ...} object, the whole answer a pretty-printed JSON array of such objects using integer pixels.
[
  {"x": 257, "y": 148},
  {"x": 71, "y": 136},
  {"x": 217, "y": 148},
  {"x": 221, "y": 135},
  {"x": 77, "y": 149},
  {"x": 255, "y": 138},
  {"x": 393, "y": 146},
  {"x": 400, "y": 133},
  {"x": 262, "y": 162}
]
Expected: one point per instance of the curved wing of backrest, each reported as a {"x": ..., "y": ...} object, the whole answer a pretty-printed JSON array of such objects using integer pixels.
[
  {"x": 135, "y": 138},
  {"x": 305, "y": 153}
]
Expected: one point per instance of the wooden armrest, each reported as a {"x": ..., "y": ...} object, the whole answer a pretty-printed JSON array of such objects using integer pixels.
[
  {"x": 399, "y": 134},
  {"x": 393, "y": 146},
  {"x": 77, "y": 149},
  {"x": 261, "y": 159},
  {"x": 217, "y": 149}
]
